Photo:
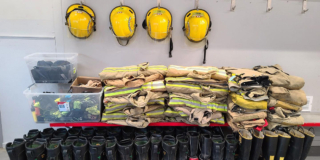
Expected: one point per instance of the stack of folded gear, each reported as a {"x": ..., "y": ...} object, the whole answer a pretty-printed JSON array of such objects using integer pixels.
[
  {"x": 285, "y": 97},
  {"x": 247, "y": 102},
  {"x": 197, "y": 94},
  {"x": 134, "y": 95},
  {"x": 53, "y": 72}
]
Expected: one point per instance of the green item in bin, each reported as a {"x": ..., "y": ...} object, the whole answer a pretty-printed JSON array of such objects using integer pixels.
[
  {"x": 76, "y": 105},
  {"x": 93, "y": 110}
]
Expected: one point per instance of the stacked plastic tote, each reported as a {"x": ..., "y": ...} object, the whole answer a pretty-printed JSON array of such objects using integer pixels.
[
  {"x": 285, "y": 97},
  {"x": 134, "y": 95},
  {"x": 197, "y": 94},
  {"x": 247, "y": 102}
]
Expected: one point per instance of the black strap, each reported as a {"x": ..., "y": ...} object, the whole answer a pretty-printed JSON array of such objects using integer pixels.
[
  {"x": 30, "y": 155},
  {"x": 171, "y": 47},
  {"x": 205, "y": 51},
  {"x": 144, "y": 24}
]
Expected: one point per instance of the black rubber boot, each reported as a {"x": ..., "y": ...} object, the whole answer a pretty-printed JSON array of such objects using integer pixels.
[
  {"x": 169, "y": 146},
  {"x": 17, "y": 150},
  {"x": 61, "y": 133},
  {"x": 97, "y": 148},
  {"x": 125, "y": 149},
  {"x": 156, "y": 148},
  {"x": 309, "y": 136},
  {"x": 218, "y": 145},
  {"x": 47, "y": 133},
  {"x": 114, "y": 131},
  {"x": 181, "y": 130},
  {"x": 269, "y": 147},
  {"x": 88, "y": 133},
  {"x": 141, "y": 131},
  {"x": 128, "y": 133},
  {"x": 156, "y": 130},
  {"x": 183, "y": 147},
  {"x": 142, "y": 147},
  {"x": 194, "y": 143},
  {"x": 111, "y": 148},
  {"x": 75, "y": 131},
  {"x": 66, "y": 148},
  {"x": 205, "y": 147},
  {"x": 193, "y": 129},
  {"x": 36, "y": 149},
  {"x": 80, "y": 149},
  {"x": 245, "y": 142},
  {"x": 54, "y": 149},
  {"x": 205, "y": 130},
  {"x": 295, "y": 146},
  {"x": 257, "y": 141},
  {"x": 283, "y": 143},
  {"x": 169, "y": 131},
  {"x": 231, "y": 147},
  {"x": 101, "y": 131},
  {"x": 32, "y": 135}
]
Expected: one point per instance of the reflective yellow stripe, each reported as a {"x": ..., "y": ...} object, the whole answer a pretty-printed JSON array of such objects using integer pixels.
[
  {"x": 195, "y": 87},
  {"x": 120, "y": 93},
  {"x": 216, "y": 106}
]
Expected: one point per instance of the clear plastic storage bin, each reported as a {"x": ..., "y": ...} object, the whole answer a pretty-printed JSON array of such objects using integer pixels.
[
  {"x": 51, "y": 102},
  {"x": 52, "y": 67}
]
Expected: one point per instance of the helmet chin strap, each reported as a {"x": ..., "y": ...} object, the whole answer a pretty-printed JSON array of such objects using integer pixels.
[{"x": 206, "y": 46}]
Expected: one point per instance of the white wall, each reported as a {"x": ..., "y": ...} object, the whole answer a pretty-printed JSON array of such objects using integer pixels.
[{"x": 244, "y": 38}]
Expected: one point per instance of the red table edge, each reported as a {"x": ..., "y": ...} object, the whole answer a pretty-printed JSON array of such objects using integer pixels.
[{"x": 101, "y": 124}]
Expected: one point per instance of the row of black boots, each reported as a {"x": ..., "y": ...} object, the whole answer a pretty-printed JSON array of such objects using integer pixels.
[{"x": 160, "y": 143}]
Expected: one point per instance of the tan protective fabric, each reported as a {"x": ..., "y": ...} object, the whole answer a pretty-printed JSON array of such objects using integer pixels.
[
  {"x": 251, "y": 124},
  {"x": 140, "y": 122},
  {"x": 276, "y": 103},
  {"x": 255, "y": 94},
  {"x": 92, "y": 83},
  {"x": 281, "y": 79},
  {"x": 243, "y": 72},
  {"x": 188, "y": 88},
  {"x": 132, "y": 81},
  {"x": 133, "y": 111},
  {"x": 296, "y": 97},
  {"x": 196, "y": 72},
  {"x": 200, "y": 97},
  {"x": 141, "y": 98},
  {"x": 135, "y": 70},
  {"x": 282, "y": 117},
  {"x": 239, "y": 117},
  {"x": 272, "y": 125},
  {"x": 206, "y": 82},
  {"x": 248, "y": 104},
  {"x": 203, "y": 116}
]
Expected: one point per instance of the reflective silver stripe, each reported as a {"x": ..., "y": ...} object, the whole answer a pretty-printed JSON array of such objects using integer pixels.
[{"x": 206, "y": 69}]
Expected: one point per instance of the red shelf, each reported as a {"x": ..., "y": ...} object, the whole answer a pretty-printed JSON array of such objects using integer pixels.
[{"x": 101, "y": 124}]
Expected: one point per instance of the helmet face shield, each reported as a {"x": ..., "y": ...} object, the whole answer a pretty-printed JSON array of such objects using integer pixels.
[
  {"x": 196, "y": 25},
  {"x": 158, "y": 23},
  {"x": 123, "y": 22},
  {"x": 80, "y": 20}
]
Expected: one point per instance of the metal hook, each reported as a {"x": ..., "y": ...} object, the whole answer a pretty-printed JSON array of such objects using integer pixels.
[
  {"x": 81, "y": 2},
  {"x": 304, "y": 6},
  {"x": 269, "y": 6},
  {"x": 121, "y": 3},
  {"x": 196, "y": 4},
  {"x": 233, "y": 5},
  {"x": 158, "y": 3}
]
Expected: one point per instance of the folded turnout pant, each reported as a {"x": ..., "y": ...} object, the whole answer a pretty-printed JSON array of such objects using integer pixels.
[{"x": 296, "y": 97}]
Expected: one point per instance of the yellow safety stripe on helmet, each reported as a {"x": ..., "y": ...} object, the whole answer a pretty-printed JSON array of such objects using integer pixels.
[
  {"x": 124, "y": 90},
  {"x": 194, "y": 86},
  {"x": 113, "y": 116},
  {"x": 196, "y": 104},
  {"x": 134, "y": 68},
  {"x": 196, "y": 25}
]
